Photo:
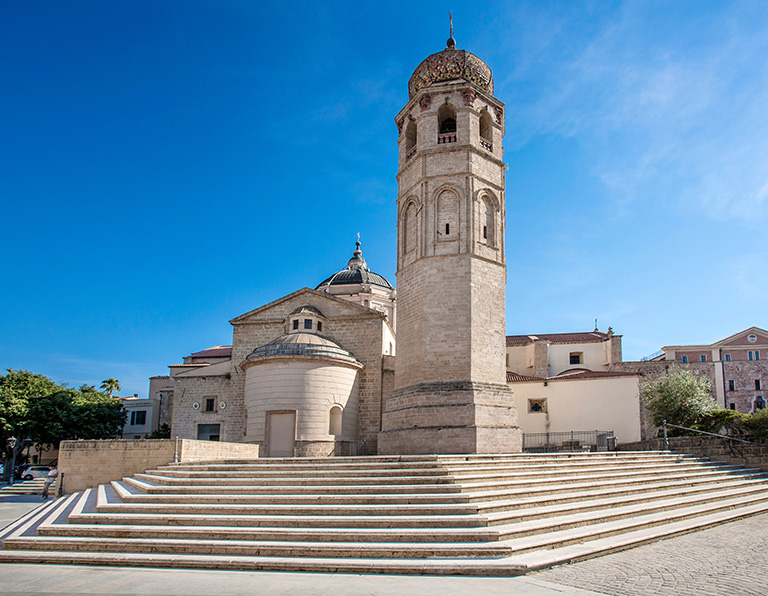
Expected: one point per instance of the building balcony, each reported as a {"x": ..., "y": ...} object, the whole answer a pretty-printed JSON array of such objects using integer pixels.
[
  {"x": 487, "y": 145},
  {"x": 446, "y": 137}
]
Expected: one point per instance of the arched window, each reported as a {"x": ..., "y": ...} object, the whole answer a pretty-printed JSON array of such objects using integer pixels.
[
  {"x": 410, "y": 236},
  {"x": 447, "y": 215},
  {"x": 759, "y": 403},
  {"x": 487, "y": 221},
  {"x": 334, "y": 424},
  {"x": 486, "y": 130},
  {"x": 446, "y": 117},
  {"x": 410, "y": 139}
]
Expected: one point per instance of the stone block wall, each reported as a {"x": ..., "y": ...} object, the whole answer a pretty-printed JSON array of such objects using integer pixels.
[
  {"x": 450, "y": 417},
  {"x": 732, "y": 452},
  {"x": 84, "y": 464}
]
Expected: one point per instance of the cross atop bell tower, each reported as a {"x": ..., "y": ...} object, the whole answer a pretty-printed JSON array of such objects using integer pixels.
[{"x": 450, "y": 391}]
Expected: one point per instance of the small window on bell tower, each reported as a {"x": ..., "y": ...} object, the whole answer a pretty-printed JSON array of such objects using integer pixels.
[
  {"x": 447, "y": 229},
  {"x": 446, "y": 116}
]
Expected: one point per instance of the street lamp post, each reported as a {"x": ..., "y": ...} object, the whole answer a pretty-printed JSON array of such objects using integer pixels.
[{"x": 11, "y": 444}]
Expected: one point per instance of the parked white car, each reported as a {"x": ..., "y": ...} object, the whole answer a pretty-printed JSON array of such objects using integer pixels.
[{"x": 35, "y": 472}]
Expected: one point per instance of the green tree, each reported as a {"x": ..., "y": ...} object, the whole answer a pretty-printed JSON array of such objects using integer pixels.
[
  {"x": 110, "y": 385},
  {"x": 18, "y": 389},
  {"x": 71, "y": 414},
  {"x": 682, "y": 397}
]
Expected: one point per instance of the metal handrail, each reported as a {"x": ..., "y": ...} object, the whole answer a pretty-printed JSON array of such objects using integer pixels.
[{"x": 665, "y": 424}]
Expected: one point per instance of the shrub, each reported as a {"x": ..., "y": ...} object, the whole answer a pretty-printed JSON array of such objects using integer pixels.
[{"x": 682, "y": 397}]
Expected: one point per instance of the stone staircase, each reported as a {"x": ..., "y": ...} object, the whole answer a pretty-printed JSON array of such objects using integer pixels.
[
  {"x": 438, "y": 514},
  {"x": 29, "y": 487}
]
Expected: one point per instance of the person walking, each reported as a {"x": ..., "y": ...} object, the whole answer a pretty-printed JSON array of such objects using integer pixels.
[{"x": 50, "y": 478}]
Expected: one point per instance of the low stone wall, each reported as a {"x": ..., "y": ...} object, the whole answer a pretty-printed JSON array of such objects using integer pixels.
[
  {"x": 733, "y": 452},
  {"x": 85, "y": 464}
]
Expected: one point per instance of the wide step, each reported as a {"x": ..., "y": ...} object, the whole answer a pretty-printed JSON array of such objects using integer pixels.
[{"x": 473, "y": 514}]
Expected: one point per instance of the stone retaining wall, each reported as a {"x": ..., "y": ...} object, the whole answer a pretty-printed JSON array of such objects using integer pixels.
[
  {"x": 733, "y": 452},
  {"x": 84, "y": 464}
]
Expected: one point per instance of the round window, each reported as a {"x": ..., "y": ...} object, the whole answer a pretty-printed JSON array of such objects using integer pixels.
[{"x": 752, "y": 337}]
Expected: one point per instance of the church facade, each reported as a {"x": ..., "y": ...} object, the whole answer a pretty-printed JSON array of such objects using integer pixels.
[{"x": 305, "y": 374}]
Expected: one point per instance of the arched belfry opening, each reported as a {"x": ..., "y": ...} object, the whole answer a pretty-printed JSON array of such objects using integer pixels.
[
  {"x": 446, "y": 117},
  {"x": 486, "y": 130},
  {"x": 410, "y": 139}
]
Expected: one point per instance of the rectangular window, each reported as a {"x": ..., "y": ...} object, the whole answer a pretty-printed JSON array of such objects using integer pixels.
[
  {"x": 319, "y": 326},
  {"x": 751, "y": 355},
  {"x": 733, "y": 406},
  {"x": 296, "y": 324},
  {"x": 575, "y": 357},
  {"x": 684, "y": 359},
  {"x": 757, "y": 354},
  {"x": 485, "y": 232},
  {"x": 757, "y": 384},
  {"x": 731, "y": 385},
  {"x": 307, "y": 323},
  {"x": 703, "y": 357},
  {"x": 210, "y": 404},
  {"x": 138, "y": 418},
  {"x": 536, "y": 406},
  {"x": 727, "y": 357},
  {"x": 447, "y": 229}
]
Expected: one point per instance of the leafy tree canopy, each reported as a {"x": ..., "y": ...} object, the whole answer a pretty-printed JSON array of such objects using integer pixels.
[
  {"x": 682, "y": 397},
  {"x": 32, "y": 406},
  {"x": 17, "y": 389}
]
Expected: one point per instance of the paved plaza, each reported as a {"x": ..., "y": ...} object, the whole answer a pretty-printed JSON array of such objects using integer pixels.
[{"x": 725, "y": 560}]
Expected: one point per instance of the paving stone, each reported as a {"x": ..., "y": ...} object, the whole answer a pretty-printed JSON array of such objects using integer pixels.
[{"x": 719, "y": 561}]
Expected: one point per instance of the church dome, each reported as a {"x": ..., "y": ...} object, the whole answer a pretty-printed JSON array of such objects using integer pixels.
[
  {"x": 357, "y": 272},
  {"x": 448, "y": 65}
]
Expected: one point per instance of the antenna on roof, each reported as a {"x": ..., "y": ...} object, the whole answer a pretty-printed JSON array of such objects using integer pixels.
[{"x": 596, "y": 325}]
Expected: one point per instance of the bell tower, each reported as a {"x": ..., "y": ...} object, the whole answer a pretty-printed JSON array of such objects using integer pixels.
[{"x": 450, "y": 393}]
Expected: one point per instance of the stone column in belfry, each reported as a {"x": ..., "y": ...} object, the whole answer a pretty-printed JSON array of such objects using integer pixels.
[{"x": 450, "y": 392}]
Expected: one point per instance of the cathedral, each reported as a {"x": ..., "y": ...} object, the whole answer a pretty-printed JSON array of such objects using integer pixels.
[
  {"x": 316, "y": 372},
  {"x": 319, "y": 372}
]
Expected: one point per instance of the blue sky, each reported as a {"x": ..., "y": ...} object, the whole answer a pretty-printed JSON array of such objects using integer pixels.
[{"x": 166, "y": 166}]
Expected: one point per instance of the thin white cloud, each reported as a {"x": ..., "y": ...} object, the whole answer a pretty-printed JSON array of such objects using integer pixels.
[{"x": 678, "y": 120}]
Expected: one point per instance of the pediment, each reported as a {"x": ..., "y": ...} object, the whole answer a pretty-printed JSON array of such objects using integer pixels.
[
  {"x": 742, "y": 338},
  {"x": 330, "y": 306}
]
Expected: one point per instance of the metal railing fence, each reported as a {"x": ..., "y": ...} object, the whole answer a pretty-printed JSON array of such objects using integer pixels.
[{"x": 574, "y": 440}]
